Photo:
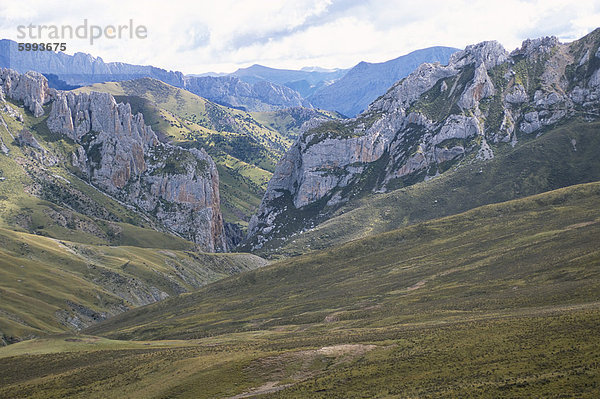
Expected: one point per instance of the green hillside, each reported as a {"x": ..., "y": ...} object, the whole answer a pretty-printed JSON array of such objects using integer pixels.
[
  {"x": 51, "y": 286},
  {"x": 560, "y": 157},
  {"x": 466, "y": 262},
  {"x": 289, "y": 121},
  {"x": 499, "y": 301}
]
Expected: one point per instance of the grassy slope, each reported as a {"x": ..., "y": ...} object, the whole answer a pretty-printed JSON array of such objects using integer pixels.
[
  {"x": 544, "y": 163},
  {"x": 535, "y": 251},
  {"x": 245, "y": 150},
  {"x": 289, "y": 121},
  {"x": 500, "y": 301},
  {"x": 38, "y": 274}
]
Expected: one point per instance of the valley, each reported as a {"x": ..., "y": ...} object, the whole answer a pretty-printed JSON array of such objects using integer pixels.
[{"x": 196, "y": 236}]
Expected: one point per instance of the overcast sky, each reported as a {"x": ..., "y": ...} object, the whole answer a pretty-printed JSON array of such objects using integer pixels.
[{"x": 223, "y": 35}]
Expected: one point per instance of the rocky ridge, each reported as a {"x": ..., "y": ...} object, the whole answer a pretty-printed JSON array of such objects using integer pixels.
[
  {"x": 123, "y": 157},
  {"x": 426, "y": 123}
]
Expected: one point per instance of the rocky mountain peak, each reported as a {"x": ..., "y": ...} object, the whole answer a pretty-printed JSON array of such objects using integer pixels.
[
  {"x": 124, "y": 157},
  {"x": 541, "y": 45},
  {"x": 490, "y": 53},
  {"x": 484, "y": 56}
]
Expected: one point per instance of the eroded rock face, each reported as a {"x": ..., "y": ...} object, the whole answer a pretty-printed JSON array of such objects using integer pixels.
[
  {"x": 517, "y": 95},
  {"x": 118, "y": 153},
  {"x": 436, "y": 116},
  {"x": 31, "y": 88},
  {"x": 481, "y": 87}
]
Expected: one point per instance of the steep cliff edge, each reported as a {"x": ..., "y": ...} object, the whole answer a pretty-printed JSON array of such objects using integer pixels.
[
  {"x": 427, "y": 123},
  {"x": 116, "y": 152},
  {"x": 124, "y": 157}
]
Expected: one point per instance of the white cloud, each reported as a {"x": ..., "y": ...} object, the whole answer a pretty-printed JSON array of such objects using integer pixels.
[{"x": 198, "y": 36}]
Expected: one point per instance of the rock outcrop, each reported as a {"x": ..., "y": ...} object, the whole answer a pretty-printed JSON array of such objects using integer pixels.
[
  {"x": 122, "y": 156},
  {"x": 437, "y": 116},
  {"x": 31, "y": 88},
  {"x": 3, "y": 148},
  {"x": 25, "y": 138}
]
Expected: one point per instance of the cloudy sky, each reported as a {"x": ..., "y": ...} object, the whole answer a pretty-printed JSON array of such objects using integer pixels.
[{"x": 223, "y": 35}]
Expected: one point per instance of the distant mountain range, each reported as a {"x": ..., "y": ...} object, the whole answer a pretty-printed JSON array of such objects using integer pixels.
[
  {"x": 347, "y": 91},
  {"x": 233, "y": 92},
  {"x": 83, "y": 69},
  {"x": 256, "y": 88},
  {"x": 306, "y": 81},
  {"x": 79, "y": 69},
  {"x": 362, "y": 84}
]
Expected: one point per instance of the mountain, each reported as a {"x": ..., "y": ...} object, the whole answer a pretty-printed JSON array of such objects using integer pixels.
[
  {"x": 538, "y": 165},
  {"x": 245, "y": 146},
  {"x": 352, "y": 93},
  {"x": 305, "y": 81},
  {"x": 84, "y": 69},
  {"x": 79, "y": 69},
  {"x": 437, "y": 245},
  {"x": 484, "y": 103},
  {"x": 244, "y": 150},
  {"x": 256, "y": 88}
]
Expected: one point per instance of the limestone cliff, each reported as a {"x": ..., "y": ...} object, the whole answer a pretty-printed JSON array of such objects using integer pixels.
[
  {"x": 426, "y": 123},
  {"x": 118, "y": 153},
  {"x": 31, "y": 88}
]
